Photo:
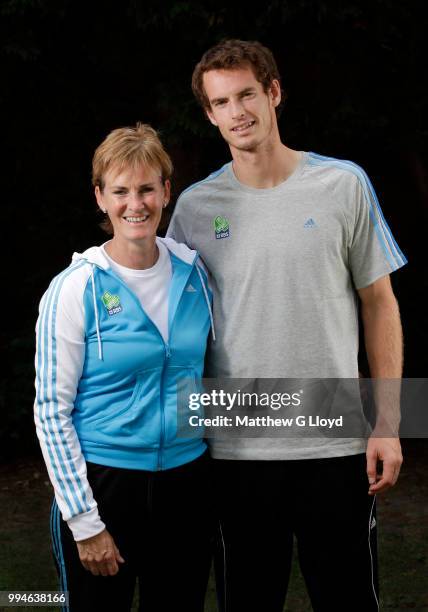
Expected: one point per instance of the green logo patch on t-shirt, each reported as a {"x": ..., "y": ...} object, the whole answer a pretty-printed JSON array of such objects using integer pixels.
[{"x": 221, "y": 227}]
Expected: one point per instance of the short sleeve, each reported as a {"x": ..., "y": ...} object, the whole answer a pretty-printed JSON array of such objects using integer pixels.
[
  {"x": 373, "y": 251},
  {"x": 179, "y": 227}
]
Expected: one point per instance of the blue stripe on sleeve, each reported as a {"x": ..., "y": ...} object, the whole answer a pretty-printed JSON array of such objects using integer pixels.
[
  {"x": 74, "y": 475},
  {"x": 210, "y": 177},
  {"x": 42, "y": 393},
  {"x": 52, "y": 446},
  {"x": 392, "y": 252},
  {"x": 362, "y": 175}
]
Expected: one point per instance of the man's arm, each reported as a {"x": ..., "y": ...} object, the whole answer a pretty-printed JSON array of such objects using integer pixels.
[{"x": 384, "y": 346}]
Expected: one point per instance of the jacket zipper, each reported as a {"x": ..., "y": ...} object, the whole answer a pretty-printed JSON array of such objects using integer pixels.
[
  {"x": 166, "y": 358},
  {"x": 162, "y": 404}
]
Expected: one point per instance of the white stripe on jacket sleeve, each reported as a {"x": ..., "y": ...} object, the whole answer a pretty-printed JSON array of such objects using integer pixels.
[{"x": 60, "y": 354}]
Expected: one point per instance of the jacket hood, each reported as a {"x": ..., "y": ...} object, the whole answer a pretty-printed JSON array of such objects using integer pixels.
[{"x": 95, "y": 255}]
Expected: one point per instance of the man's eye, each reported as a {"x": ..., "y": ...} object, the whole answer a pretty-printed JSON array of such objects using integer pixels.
[{"x": 119, "y": 192}]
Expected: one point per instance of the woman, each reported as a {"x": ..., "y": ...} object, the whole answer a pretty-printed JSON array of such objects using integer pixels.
[{"x": 116, "y": 330}]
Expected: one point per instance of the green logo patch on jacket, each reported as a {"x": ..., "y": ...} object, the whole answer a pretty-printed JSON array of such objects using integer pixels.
[{"x": 112, "y": 303}]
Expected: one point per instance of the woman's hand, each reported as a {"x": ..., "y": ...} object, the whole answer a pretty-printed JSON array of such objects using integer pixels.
[{"x": 100, "y": 555}]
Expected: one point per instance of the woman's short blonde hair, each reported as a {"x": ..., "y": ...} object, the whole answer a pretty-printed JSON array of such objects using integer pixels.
[{"x": 129, "y": 147}]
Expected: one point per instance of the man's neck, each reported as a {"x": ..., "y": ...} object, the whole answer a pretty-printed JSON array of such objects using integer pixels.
[{"x": 267, "y": 167}]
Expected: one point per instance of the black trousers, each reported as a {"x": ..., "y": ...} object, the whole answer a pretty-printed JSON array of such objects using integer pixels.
[
  {"x": 325, "y": 505},
  {"x": 163, "y": 526}
]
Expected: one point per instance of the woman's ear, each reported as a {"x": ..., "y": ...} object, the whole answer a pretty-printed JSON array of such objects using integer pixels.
[
  {"x": 99, "y": 198},
  {"x": 167, "y": 194}
]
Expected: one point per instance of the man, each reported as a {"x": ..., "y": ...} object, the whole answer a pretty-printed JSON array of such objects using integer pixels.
[{"x": 291, "y": 238}]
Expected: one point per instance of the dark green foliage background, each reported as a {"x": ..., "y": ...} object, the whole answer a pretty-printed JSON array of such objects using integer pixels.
[{"x": 355, "y": 76}]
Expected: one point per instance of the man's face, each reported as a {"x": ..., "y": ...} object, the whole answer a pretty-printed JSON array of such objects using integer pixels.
[{"x": 240, "y": 108}]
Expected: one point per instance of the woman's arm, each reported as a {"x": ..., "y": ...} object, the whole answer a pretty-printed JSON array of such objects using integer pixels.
[{"x": 59, "y": 361}]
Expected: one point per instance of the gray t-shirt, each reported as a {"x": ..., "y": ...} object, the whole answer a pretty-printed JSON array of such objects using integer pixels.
[{"x": 285, "y": 263}]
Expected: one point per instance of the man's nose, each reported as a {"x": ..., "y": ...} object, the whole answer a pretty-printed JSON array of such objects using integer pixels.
[{"x": 237, "y": 109}]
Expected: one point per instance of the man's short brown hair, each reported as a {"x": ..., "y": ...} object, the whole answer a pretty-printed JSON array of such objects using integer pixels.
[{"x": 231, "y": 54}]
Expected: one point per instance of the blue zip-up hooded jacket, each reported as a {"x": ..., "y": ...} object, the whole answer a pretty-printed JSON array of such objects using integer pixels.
[{"x": 106, "y": 382}]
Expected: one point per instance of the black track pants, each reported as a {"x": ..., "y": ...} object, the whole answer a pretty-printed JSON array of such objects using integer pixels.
[
  {"x": 162, "y": 524},
  {"x": 324, "y": 503}
]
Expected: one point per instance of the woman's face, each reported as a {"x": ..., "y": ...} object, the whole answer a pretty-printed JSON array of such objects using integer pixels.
[{"x": 133, "y": 200}]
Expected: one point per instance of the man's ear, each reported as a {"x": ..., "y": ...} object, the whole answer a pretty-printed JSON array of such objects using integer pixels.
[
  {"x": 275, "y": 92},
  {"x": 210, "y": 116}
]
